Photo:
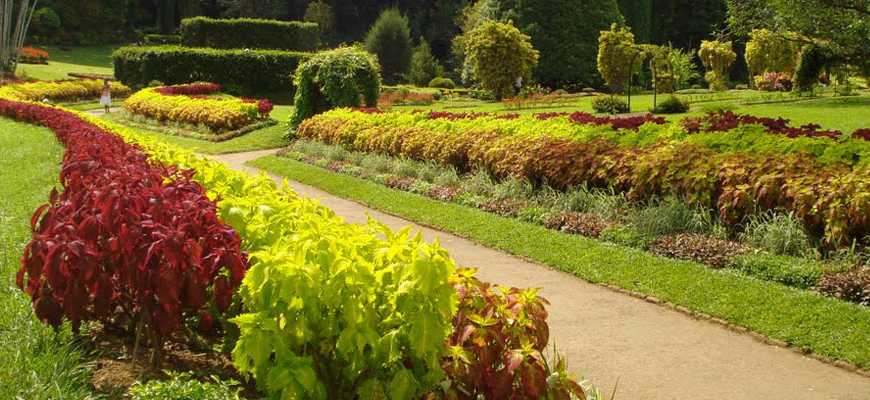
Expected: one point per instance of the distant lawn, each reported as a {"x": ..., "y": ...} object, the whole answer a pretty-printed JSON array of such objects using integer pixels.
[
  {"x": 35, "y": 363},
  {"x": 92, "y": 59},
  {"x": 842, "y": 113},
  {"x": 266, "y": 138},
  {"x": 821, "y": 324}
]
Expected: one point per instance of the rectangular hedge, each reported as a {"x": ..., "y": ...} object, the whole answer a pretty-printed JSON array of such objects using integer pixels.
[
  {"x": 244, "y": 72},
  {"x": 246, "y": 33}
]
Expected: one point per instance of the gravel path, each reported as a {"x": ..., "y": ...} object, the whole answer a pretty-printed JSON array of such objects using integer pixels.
[{"x": 653, "y": 352}]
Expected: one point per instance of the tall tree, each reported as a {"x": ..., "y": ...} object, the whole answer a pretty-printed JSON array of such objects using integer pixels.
[
  {"x": 13, "y": 29},
  {"x": 638, "y": 15}
]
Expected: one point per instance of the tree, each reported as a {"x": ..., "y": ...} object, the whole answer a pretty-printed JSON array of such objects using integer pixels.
[
  {"x": 267, "y": 9},
  {"x": 618, "y": 57},
  {"x": 842, "y": 27},
  {"x": 566, "y": 34},
  {"x": 424, "y": 65},
  {"x": 685, "y": 23},
  {"x": 13, "y": 32},
  {"x": 717, "y": 57},
  {"x": 390, "y": 40},
  {"x": 500, "y": 56},
  {"x": 320, "y": 12},
  {"x": 770, "y": 52},
  {"x": 638, "y": 16}
]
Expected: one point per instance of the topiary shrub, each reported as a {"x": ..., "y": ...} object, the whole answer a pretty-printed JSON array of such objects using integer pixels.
[
  {"x": 390, "y": 40},
  {"x": 717, "y": 57},
  {"x": 247, "y": 33},
  {"x": 770, "y": 52},
  {"x": 499, "y": 56},
  {"x": 671, "y": 105},
  {"x": 813, "y": 59},
  {"x": 424, "y": 65},
  {"x": 442, "y": 83},
  {"x": 344, "y": 77},
  {"x": 609, "y": 105},
  {"x": 618, "y": 57}
]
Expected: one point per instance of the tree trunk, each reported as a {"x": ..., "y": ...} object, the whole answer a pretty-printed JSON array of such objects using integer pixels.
[{"x": 13, "y": 31}]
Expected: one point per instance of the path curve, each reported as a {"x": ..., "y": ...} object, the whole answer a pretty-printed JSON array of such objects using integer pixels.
[{"x": 653, "y": 352}]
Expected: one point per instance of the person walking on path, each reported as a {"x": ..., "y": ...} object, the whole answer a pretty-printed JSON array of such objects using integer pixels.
[{"x": 106, "y": 96}]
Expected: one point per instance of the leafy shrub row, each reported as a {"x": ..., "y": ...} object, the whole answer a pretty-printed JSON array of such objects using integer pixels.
[
  {"x": 239, "y": 71},
  {"x": 372, "y": 309},
  {"x": 727, "y": 120},
  {"x": 131, "y": 243},
  {"x": 218, "y": 114},
  {"x": 249, "y": 33},
  {"x": 32, "y": 55},
  {"x": 61, "y": 91},
  {"x": 829, "y": 199}
]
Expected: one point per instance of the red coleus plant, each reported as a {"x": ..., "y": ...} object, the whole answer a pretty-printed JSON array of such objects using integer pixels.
[
  {"x": 495, "y": 348},
  {"x": 193, "y": 89},
  {"x": 724, "y": 121},
  {"x": 130, "y": 243}
]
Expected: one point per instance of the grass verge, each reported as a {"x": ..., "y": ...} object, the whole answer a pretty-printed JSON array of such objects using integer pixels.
[
  {"x": 825, "y": 326},
  {"x": 62, "y": 61},
  {"x": 35, "y": 362}
]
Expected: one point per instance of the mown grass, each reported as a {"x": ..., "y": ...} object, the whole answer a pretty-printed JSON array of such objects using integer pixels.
[
  {"x": 90, "y": 59},
  {"x": 35, "y": 362},
  {"x": 842, "y": 113},
  {"x": 266, "y": 138},
  {"x": 826, "y": 326}
]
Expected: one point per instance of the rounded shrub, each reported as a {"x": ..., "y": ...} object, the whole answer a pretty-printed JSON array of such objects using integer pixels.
[
  {"x": 390, "y": 40},
  {"x": 671, "y": 105},
  {"x": 424, "y": 65},
  {"x": 500, "y": 56},
  {"x": 344, "y": 77},
  {"x": 45, "y": 21},
  {"x": 442, "y": 83},
  {"x": 609, "y": 105}
]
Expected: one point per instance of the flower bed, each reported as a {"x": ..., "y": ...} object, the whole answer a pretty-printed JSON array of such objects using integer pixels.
[
  {"x": 739, "y": 173},
  {"x": 188, "y": 104},
  {"x": 32, "y": 55},
  {"x": 61, "y": 91},
  {"x": 363, "y": 299}
]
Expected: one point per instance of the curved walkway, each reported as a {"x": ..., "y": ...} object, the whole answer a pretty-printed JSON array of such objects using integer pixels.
[{"x": 608, "y": 337}]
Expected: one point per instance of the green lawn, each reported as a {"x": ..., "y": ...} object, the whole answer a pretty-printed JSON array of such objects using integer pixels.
[
  {"x": 266, "y": 138},
  {"x": 93, "y": 59},
  {"x": 35, "y": 363},
  {"x": 842, "y": 113},
  {"x": 823, "y": 325}
]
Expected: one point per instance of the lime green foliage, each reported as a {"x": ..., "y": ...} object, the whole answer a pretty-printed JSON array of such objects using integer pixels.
[
  {"x": 609, "y": 105},
  {"x": 683, "y": 66},
  {"x": 717, "y": 57},
  {"x": 91, "y": 60},
  {"x": 778, "y": 234},
  {"x": 390, "y": 40},
  {"x": 819, "y": 324},
  {"x": 499, "y": 54},
  {"x": 770, "y": 52},
  {"x": 424, "y": 66},
  {"x": 185, "y": 386},
  {"x": 618, "y": 57},
  {"x": 336, "y": 78},
  {"x": 442, "y": 83},
  {"x": 333, "y": 310},
  {"x": 35, "y": 362},
  {"x": 792, "y": 271}
]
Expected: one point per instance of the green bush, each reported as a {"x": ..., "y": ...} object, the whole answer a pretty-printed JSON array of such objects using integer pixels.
[
  {"x": 390, "y": 40},
  {"x": 240, "y": 71},
  {"x": 813, "y": 58},
  {"x": 185, "y": 387},
  {"x": 246, "y": 33},
  {"x": 45, "y": 21},
  {"x": 671, "y": 105},
  {"x": 424, "y": 66},
  {"x": 609, "y": 105},
  {"x": 442, "y": 83},
  {"x": 792, "y": 271},
  {"x": 499, "y": 54},
  {"x": 344, "y": 77},
  {"x": 154, "y": 39}
]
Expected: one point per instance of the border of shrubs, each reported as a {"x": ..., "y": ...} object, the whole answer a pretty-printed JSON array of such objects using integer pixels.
[
  {"x": 248, "y": 33},
  {"x": 239, "y": 71},
  {"x": 62, "y": 91}
]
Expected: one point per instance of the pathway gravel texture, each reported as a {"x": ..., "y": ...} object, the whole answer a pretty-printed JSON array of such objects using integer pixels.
[{"x": 607, "y": 337}]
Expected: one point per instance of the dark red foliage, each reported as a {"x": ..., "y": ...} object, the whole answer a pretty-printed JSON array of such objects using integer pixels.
[
  {"x": 616, "y": 122},
  {"x": 589, "y": 225},
  {"x": 863, "y": 133},
  {"x": 703, "y": 249},
  {"x": 550, "y": 115},
  {"x": 724, "y": 121},
  {"x": 850, "y": 286},
  {"x": 451, "y": 116},
  {"x": 264, "y": 106},
  {"x": 127, "y": 240},
  {"x": 192, "y": 89}
]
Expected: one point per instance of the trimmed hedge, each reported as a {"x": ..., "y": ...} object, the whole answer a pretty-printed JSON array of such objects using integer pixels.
[
  {"x": 239, "y": 71},
  {"x": 247, "y": 33}
]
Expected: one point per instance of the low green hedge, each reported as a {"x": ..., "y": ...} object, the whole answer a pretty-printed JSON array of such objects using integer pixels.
[
  {"x": 246, "y": 33},
  {"x": 244, "y": 72}
]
